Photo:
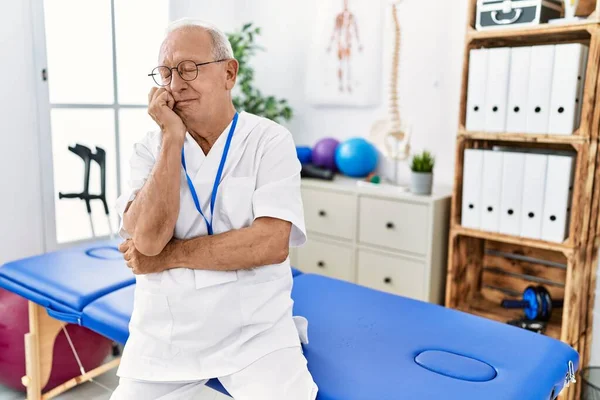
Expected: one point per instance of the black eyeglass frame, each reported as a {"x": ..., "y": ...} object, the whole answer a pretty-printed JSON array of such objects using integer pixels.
[{"x": 176, "y": 68}]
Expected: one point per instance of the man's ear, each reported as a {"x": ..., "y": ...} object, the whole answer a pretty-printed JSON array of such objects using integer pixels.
[{"x": 231, "y": 68}]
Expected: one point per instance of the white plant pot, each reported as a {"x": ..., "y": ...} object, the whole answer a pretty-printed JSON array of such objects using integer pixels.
[
  {"x": 421, "y": 182},
  {"x": 570, "y": 8}
]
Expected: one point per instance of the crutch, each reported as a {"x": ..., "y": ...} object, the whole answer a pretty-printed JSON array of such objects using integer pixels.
[{"x": 87, "y": 156}]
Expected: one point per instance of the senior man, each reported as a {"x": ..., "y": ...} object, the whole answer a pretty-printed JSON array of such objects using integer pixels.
[{"x": 213, "y": 206}]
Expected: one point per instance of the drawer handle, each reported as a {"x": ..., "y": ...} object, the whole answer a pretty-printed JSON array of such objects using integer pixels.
[
  {"x": 321, "y": 264},
  {"x": 387, "y": 280},
  {"x": 322, "y": 213},
  {"x": 390, "y": 225}
]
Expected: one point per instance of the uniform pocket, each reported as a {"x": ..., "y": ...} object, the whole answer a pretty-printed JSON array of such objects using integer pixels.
[
  {"x": 236, "y": 210},
  {"x": 151, "y": 324},
  {"x": 265, "y": 303},
  {"x": 206, "y": 317}
]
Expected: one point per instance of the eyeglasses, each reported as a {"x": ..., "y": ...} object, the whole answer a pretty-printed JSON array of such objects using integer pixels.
[{"x": 187, "y": 70}]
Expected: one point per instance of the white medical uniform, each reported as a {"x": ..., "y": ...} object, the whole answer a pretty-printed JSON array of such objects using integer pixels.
[{"x": 191, "y": 325}]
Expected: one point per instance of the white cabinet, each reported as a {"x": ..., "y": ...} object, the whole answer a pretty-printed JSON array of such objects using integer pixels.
[{"x": 378, "y": 236}]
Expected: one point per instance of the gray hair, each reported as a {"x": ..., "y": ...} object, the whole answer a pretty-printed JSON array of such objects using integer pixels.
[{"x": 221, "y": 46}]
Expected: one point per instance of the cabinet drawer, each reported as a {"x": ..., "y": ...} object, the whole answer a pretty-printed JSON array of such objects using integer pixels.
[
  {"x": 391, "y": 274},
  {"x": 394, "y": 224},
  {"x": 325, "y": 258},
  {"x": 329, "y": 213}
]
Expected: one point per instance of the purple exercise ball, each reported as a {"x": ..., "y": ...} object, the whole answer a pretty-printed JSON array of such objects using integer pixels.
[{"x": 323, "y": 154}]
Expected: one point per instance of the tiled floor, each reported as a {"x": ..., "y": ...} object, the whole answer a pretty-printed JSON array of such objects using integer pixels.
[{"x": 91, "y": 391}]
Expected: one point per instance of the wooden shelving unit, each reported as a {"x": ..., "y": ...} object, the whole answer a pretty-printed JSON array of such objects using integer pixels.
[{"x": 486, "y": 267}]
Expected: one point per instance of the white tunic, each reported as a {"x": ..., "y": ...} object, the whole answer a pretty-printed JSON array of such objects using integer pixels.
[{"x": 197, "y": 324}]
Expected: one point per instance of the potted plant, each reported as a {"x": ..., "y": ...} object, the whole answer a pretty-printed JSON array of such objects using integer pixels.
[
  {"x": 422, "y": 173},
  {"x": 246, "y": 96}
]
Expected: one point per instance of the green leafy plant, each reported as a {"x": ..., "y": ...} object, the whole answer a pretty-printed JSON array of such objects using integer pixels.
[
  {"x": 248, "y": 98},
  {"x": 423, "y": 162}
]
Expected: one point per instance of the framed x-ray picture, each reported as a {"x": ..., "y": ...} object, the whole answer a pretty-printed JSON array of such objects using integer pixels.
[{"x": 344, "y": 59}]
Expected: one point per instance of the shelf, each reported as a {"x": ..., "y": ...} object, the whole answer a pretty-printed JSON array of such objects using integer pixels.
[
  {"x": 483, "y": 307},
  {"x": 524, "y": 137},
  {"x": 498, "y": 237},
  {"x": 544, "y": 33}
]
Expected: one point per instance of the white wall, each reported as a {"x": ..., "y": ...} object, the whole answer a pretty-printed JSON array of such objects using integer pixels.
[
  {"x": 595, "y": 354},
  {"x": 219, "y": 12},
  {"x": 21, "y": 218}
]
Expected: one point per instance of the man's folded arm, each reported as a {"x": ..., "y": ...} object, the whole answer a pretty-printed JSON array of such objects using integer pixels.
[{"x": 149, "y": 217}]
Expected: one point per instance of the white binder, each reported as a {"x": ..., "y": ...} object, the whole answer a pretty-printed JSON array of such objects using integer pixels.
[
  {"x": 532, "y": 206},
  {"x": 496, "y": 92},
  {"x": 557, "y": 198},
  {"x": 478, "y": 64},
  {"x": 581, "y": 85},
  {"x": 566, "y": 89},
  {"x": 513, "y": 171},
  {"x": 539, "y": 89},
  {"x": 516, "y": 113},
  {"x": 491, "y": 188},
  {"x": 471, "y": 190}
]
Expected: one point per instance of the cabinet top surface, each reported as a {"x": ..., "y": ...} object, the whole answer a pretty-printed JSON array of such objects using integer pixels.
[{"x": 384, "y": 190}]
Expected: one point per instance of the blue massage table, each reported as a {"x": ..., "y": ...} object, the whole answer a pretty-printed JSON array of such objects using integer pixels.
[{"x": 364, "y": 344}]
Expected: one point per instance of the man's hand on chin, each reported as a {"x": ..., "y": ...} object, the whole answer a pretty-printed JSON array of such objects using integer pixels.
[{"x": 142, "y": 264}]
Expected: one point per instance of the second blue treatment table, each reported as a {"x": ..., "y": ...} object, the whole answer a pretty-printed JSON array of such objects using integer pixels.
[{"x": 363, "y": 344}]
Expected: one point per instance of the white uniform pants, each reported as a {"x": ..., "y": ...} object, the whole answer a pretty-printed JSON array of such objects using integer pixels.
[{"x": 280, "y": 375}]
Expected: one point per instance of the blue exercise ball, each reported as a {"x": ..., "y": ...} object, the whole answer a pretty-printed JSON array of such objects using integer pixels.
[
  {"x": 356, "y": 157},
  {"x": 304, "y": 154}
]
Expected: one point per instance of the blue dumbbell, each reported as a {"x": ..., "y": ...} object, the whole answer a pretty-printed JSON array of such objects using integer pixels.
[{"x": 537, "y": 303}]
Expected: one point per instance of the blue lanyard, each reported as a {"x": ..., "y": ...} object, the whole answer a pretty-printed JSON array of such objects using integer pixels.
[{"x": 217, "y": 178}]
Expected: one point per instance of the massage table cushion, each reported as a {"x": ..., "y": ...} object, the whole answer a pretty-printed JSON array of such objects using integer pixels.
[{"x": 66, "y": 281}]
